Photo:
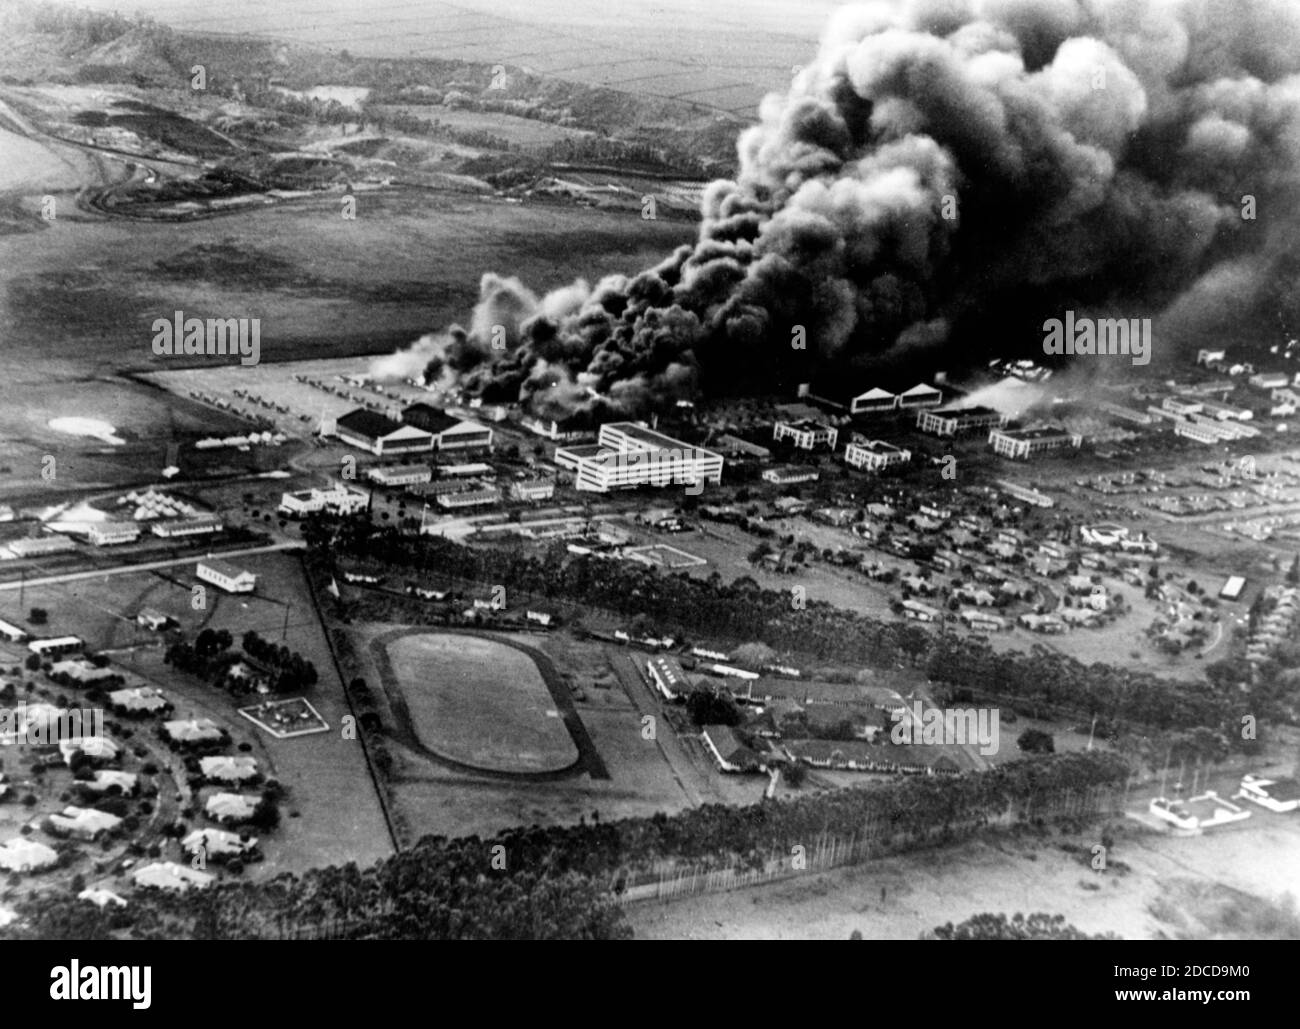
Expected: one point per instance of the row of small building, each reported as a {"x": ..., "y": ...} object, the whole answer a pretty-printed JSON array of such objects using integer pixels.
[{"x": 774, "y": 702}]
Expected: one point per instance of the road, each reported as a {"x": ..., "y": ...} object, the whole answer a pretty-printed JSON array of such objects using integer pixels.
[
  {"x": 688, "y": 778},
  {"x": 149, "y": 566}
]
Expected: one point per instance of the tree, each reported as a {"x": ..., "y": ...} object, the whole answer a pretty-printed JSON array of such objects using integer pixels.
[
  {"x": 38, "y": 616},
  {"x": 795, "y": 774},
  {"x": 754, "y": 654},
  {"x": 1035, "y": 741},
  {"x": 712, "y": 707},
  {"x": 1293, "y": 574}
]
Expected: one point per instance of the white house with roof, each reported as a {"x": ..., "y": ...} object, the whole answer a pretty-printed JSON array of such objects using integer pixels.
[
  {"x": 82, "y": 823},
  {"x": 229, "y": 769},
  {"x": 227, "y": 576},
  {"x": 218, "y": 844},
  {"x": 231, "y": 808},
  {"x": 192, "y": 731},
  {"x": 24, "y": 855}
]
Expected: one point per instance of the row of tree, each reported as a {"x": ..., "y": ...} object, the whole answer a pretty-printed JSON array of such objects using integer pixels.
[{"x": 555, "y": 882}]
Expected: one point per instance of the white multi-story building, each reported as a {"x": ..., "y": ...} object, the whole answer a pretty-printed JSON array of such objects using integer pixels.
[
  {"x": 949, "y": 421},
  {"x": 627, "y": 454},
  {"x": 875, "y": 455},
  {"x": 532, "y": 489},
  {"x": 1021, "y": 444},
  {"x": 807, "y": 434},
  {"x": 337, "y": 499}
]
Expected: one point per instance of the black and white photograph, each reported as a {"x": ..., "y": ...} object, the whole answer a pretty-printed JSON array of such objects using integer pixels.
[{"x": 594, "y": 470}]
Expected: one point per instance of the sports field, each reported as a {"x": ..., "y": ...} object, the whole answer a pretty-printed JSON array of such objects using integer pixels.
[{"x": 480, "y": 703}]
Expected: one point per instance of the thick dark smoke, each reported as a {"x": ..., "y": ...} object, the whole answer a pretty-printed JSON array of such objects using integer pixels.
[{"x": 941, "y": 179}]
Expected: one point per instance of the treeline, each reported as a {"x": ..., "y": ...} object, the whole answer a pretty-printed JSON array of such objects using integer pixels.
[
  {"x": 556, "y": 882},
  {"x": 1041, "y": 681}
]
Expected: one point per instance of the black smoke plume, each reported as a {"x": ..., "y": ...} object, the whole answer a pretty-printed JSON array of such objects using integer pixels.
[{"x": 942, "y": 178}]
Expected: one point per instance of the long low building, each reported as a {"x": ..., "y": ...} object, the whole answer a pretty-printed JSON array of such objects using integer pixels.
[
  {"x": 381, "y": 435},
  {"x": 229, "y": 577},
  {"x": 446, "y": 431},
  {"x": 470, "y": 498},
  {"x": 39, "y": 546},
  {"x": 111, "y": 534},
  {"x": 627, "y": 455},
  {"x": 668, "y": 676},
  {"x": 199, "y": 525},
  {"x": 400, "y": 475}
]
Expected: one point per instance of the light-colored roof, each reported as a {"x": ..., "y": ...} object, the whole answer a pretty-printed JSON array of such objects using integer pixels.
[
  {"x": 106, "y": 778},
  {"x": 20, "y": 855},
  {"x": 168, "y": 875},
  {"x": 228, "y": 768},
  {"x": 141, "y": 698},
  {"x": 84, "y": 819},
  {"x": 190, "y": 730},
  {"x": 224, "y": 568},
  {"x": 217, "y": 841},
  {"x": 230, "y": 807},
  {"x": 102, "y": 898}
]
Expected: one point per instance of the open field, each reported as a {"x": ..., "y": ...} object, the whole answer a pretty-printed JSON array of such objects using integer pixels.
[
  {"x": 724, "y": 55},
  {"x": 528, "y": 133},
  {"x": 479, "y": 703},
  {"x": 78, "y": 298},
  {"x": 1226, "y": 884},
  {"x": 428, "y": 796}
]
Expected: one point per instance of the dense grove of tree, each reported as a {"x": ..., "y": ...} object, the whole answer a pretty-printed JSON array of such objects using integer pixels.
[
  {"x": 1038, "y": 926},
  {"x": 555, "y": 882},
  {"x": 1041, "y": 682},
  {"x": 210, "y": 657}
]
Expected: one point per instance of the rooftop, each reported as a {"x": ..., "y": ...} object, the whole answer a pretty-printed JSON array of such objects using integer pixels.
[{"x": 368, "y": 423}]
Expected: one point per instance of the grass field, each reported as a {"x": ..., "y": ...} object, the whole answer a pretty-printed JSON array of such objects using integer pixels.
[
  {"x": 480, "y": 703},
  {"x": 723, "y": 55}
]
